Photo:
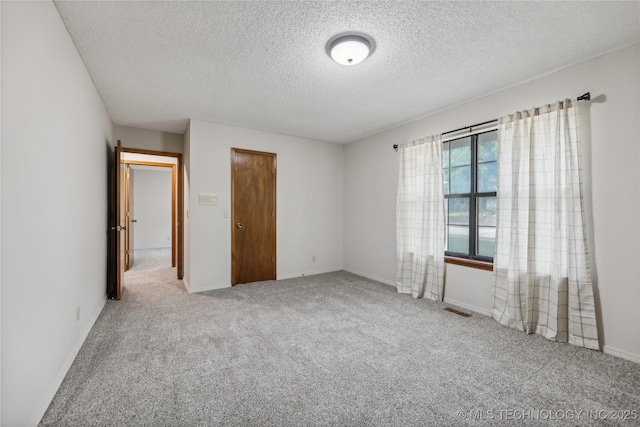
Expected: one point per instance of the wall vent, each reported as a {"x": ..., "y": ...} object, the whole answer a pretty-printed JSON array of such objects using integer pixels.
[{"x": 461, "y": 313}]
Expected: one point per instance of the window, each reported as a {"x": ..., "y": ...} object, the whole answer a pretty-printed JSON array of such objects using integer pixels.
[{"x": 470, "y": 178}]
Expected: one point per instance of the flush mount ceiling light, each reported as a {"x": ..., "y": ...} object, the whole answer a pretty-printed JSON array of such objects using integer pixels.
[{"x": 350, "y": 48}]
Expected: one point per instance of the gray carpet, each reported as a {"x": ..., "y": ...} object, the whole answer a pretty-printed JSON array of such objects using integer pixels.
[
  {"x": 148, "y": 259},
  {"x": 327, "y": 350}
]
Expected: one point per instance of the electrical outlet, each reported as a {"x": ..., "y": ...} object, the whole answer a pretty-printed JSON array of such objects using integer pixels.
[{"x": 77, "y": 314}]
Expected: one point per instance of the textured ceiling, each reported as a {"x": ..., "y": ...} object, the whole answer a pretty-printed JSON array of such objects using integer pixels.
[{"x": 263, "y": 65}]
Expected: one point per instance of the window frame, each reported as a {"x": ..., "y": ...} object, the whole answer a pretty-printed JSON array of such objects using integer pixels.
[{"x": 471, "y": 259}]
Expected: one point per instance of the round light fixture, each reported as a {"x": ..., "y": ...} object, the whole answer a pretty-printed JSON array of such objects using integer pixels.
[{"x": 350, "y": 48}]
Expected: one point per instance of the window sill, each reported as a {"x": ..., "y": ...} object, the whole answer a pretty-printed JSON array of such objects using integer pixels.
[{"x": 481, "y": 265}]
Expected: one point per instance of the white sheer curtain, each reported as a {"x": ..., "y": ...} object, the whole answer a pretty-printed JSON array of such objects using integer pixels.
[
  {"x": 420, "y": 219},
  {"x": 542, "y": 276}
]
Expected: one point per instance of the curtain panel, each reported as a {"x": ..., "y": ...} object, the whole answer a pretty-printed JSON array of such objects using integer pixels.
[
  {"x": 420, "y": 219},
  {"x": 541, "y": 270}
]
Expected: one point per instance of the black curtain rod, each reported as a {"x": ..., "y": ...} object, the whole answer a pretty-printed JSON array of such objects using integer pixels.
[
  {"x": 470, "y": 127},
  {"x": 584, "y": 97}
]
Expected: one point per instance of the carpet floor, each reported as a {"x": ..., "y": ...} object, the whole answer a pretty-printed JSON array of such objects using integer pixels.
[
  {"x": 333, "y": 349},
  {"x": 145, "y": 260}
]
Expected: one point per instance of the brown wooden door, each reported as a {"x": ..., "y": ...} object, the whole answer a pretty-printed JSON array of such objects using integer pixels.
[
  {"x": 120, "y": 225},
  {"x": 115, "y": 258},
  {"x": 253, "y": 216}
]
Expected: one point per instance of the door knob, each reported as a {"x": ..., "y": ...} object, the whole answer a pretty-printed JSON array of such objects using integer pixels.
[{"x": 239, "y": 225}]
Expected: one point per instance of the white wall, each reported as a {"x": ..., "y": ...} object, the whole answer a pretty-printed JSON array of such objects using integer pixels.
[
  {"x": 309, "y": 202},
  {"x": 152, "y": 202},
  {"x": 0, "y": 219},
  {"x": 144, "y": 139},
  {"x": 371, "y": 178},
  {"x": 55, "y": 142}
]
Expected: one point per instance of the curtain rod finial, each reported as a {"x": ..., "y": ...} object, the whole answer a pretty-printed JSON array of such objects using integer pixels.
[{"x": 585, "y": 97}]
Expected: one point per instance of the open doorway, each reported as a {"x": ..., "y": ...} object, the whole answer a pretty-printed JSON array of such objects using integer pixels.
[
  {"x": 150, "y": 212},
  {"x": 149, "y": 231}
]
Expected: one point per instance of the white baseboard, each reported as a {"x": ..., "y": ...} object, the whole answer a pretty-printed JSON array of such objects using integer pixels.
[
  {"x": 57, "y": 382},
  {"x": 308, "y": 273},
  {"x": 621, "y": 354},
  {"x": 191, "y": 290},
  {"x": 207, "y": 288},
  {"x": 466, "y": 306},
  {"x": 369, "y": 276},
  {"x": 282, "y": 277}
]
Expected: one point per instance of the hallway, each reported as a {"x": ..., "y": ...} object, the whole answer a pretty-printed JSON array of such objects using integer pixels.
[{"x": 151, "y": 269}]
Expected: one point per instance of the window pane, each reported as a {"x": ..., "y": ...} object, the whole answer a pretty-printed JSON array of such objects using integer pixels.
[
  {"x": 458, "y": 212},
  {"x": 460, "y": 180},
  {"x": 445, "y": 155},
  {"x": 487, "y": 177},
  {"x": 445, "y": 180},
  {"x": 486, "y": 241},
  {"x": 460, "y": 152},
  {"x": 458, "y": 239},
  {"x": 460, "y": 186},
  {"x": 487, "y": 211},
  {"x": 446, "y": 209},
  {"x": 488, "y": 147}
]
